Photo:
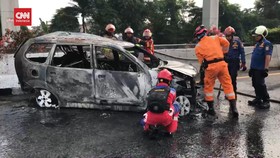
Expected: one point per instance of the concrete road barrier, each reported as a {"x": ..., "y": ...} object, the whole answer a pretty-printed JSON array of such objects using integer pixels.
[
  {"x": 8, "y": 77},
  {"x": 188, "y": 55}
]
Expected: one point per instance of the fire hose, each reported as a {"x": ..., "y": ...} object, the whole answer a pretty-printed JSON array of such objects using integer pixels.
[{"x": 244, "y": 94}]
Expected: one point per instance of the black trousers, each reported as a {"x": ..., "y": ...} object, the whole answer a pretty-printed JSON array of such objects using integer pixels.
[
  {"x": 258, "y": 82},
  {"x": 233, "y": 68}
]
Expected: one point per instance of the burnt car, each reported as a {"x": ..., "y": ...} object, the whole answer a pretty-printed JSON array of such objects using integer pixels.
[{"x": 88, "y": 71}]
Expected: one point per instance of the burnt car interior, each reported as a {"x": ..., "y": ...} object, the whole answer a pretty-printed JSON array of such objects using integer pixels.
[
  {"x": 38, "y": 52},
  {"x": 139, "y": 53},
  {"x": 113, "y": 60},
  {"x": 74, "y": 56}
]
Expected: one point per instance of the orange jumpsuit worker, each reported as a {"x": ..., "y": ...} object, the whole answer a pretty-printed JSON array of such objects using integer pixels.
[{"x": 211, "y": 49}]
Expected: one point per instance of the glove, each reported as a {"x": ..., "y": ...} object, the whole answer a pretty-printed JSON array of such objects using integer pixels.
[
  {"x": 265, "y": 73},
  {"x": 138, "y": 40},
  {"x": 250, "y": 73},
  {"x": 243, "y": 67}
]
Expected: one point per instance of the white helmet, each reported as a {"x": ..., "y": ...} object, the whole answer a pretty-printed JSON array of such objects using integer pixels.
[
  {"x": 110, "y": 28},
  {"x": 128, "y": 30},
  {"x": 147, "y": 33},
  {"x": 260, "y": 30}
]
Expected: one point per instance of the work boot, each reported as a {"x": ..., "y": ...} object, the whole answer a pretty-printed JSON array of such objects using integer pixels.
[
  {"x": 211, "y": 110},
  {"x": 264, "y": 105},
  {"x": 233, "y": 108},
  {"x": 255, "y": 102}
]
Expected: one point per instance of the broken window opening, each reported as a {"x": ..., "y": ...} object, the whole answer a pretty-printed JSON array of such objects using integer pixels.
[
  {"x": 38, "y": 52},
  {"x": 114, "y": 60},
  {"x": 74, "y": 56}
]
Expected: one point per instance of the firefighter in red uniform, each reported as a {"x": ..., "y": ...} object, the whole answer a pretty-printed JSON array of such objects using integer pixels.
[
  {"x": 162, "y": 108},
  {"x": 148, "y": 43}
]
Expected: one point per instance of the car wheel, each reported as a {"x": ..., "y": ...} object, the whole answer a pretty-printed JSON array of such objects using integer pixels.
[
  {"x": 44, "y": 98},
  {"x": 185, "y": 105}
]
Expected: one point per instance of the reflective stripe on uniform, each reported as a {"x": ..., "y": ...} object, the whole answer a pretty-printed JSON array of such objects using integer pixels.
[
  {"x": 225, "y": 48},
  {"x": 171, "y": 112},
  {"x": 175, "y": 118},
  {"x": 173, "y": 91},
  {"x": 209, "y": 94},
  {"x": 230, "y": 94}
]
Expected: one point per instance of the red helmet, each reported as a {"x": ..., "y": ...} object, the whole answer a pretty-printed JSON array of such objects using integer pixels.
[
  {"x": 147, "y": 33},
  {"x": 229, "y": 31},
  {"x": 110, "y": 28},
  {"x": 199, "y": 30},
  {"x": 165, "y": 74},
  {"x": 128, "y": 30}
]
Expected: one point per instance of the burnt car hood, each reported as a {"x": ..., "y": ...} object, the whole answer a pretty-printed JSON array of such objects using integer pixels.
[{"x": 179, "y": 67}]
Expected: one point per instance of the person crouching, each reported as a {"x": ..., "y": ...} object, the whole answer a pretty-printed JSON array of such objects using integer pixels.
[{"x": 162, "y": 110}]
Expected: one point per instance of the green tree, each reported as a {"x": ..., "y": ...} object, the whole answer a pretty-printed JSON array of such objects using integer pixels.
[
  {"x": 82, "y": 7},
  {"x": 195, "y": 16},
  {"x": 44, "y": 26},
  {"x": 23, "y": 28},
  {"x": 65, "y": 20},
  {"x": 118, "y": 12},
  {"x": 268, "y": 8},
  {"x": 230, "y": 15},
  {"x": 168, "y": 20},
  {"x": 69, "y": 16}
]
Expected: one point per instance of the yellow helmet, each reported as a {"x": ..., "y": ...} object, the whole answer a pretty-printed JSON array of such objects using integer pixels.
[{"x": 260, "y": 30}]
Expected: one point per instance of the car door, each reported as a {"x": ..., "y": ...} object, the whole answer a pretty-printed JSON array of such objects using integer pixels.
[
  {"x": 70, "y": 73},
  {"x": 119, "y": 78}
]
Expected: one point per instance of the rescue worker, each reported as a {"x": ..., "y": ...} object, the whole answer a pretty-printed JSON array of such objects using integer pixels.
[
  {"x": 210, "y": 50},
  {"x": 215, "y": 31},
  {"x": 110, "y": 32},
  {"x": 129, "y": 37},
  {"x": 235, "y": 53},
  {"x": 148, "y": 43},
  {"x": 162, "y": 108},
  {"x": 260, "y": 60}
]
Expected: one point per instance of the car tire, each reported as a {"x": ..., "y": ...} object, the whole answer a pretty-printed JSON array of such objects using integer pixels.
[
  {"x": 185, "y": 105},
  {"x": 45, "y": 98}
]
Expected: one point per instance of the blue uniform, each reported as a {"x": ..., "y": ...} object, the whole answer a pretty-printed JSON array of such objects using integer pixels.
[
  {"x": 261, "y": 49},
  {"x": 235, "y": 53},
  {"x": 257, "y": 68}
]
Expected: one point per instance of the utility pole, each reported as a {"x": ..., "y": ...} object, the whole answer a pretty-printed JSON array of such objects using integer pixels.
[
  {"x": 210, "y": 13},
  {"x": 7, "y": 14}
]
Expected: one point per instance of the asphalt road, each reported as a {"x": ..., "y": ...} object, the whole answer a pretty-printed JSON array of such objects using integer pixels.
[{"x": 28, "y": 131}]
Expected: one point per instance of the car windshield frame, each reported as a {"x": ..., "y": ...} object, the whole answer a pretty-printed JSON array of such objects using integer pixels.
[{"x": 155, "y": 61}]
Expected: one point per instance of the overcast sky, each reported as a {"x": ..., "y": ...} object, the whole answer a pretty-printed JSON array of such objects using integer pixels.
[{"x": 45, "y": 9}]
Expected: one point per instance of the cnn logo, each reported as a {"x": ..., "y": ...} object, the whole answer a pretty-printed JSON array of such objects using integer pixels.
[{"x": 22, "y": 17}]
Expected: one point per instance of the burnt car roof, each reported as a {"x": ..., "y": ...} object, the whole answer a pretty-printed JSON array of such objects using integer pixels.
[{"x": 79, "y": 38}]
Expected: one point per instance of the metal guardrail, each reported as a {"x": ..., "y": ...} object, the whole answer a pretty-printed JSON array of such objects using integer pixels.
[
  {"x": 186, "y": 45},
  {"x": 174, "y": 46}
]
